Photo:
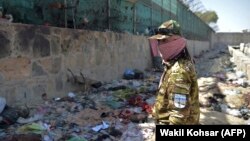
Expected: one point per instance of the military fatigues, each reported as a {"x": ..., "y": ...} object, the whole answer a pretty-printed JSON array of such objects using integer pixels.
[{"x": 177, "y": 98}]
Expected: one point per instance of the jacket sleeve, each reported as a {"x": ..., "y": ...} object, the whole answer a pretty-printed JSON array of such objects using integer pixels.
[{"x": 180, "y": 98}]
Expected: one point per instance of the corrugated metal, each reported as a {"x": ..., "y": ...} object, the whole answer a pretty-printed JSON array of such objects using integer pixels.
[{"x": 132, "y": 16}]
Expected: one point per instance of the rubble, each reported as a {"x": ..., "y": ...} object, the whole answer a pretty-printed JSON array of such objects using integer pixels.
[
  {"x": 105, "y": 113},
  {"x": 121, "y": 109},
  {"x": 222, "y": 87}
]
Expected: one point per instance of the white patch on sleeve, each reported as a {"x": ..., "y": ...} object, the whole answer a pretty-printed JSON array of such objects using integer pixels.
[{"x": 180, "y": 100}]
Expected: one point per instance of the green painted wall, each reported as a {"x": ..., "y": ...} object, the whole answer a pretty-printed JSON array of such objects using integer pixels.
[{"x": 125, "y": 15}]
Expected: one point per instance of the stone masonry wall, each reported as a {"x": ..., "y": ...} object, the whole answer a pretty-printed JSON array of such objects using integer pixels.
[{"x": 35, "y": 59}]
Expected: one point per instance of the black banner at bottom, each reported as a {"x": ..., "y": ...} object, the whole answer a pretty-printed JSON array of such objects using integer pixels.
[{"x": 239, "y": 132}]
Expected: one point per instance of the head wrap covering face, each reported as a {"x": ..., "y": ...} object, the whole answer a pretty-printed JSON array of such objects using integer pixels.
[
  {"x": 173, "y": 43},
  {"x": 172, "y": 47}
]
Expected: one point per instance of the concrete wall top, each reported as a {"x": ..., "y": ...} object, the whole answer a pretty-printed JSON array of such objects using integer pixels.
[{"x": 234, "y": 38}]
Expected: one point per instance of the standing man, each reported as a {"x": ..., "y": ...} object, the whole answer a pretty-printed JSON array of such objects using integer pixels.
[{"x": 177, "y": 101}]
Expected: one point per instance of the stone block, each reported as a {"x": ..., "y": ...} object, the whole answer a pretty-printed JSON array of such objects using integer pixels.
[
  {"x": 56, "y": 65},
  {"x": 23, "y": 95},
  {"x": 9, "y": 94},
  {"x": 15, "y": 68},
  {"x": 24, "y": 37},
  {"x": 37, "y": 70},
  {"x": 39, "y": 89},
  {"x": 43, "y": 29},
  {"x": 51, "y": 65},
  {"x": 41, "y": 47},
  {"x": 5, "y": 46},
  {"x": 55, "y": 45},
  {"x": 59, "y": 82},
  {"x": 1, "y": 78}
]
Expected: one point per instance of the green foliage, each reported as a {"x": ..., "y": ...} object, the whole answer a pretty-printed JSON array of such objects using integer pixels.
[{"x": 208, "y": 16}]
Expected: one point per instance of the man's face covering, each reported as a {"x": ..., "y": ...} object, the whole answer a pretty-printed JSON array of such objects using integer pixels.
[{"x": 171, "y": 47}]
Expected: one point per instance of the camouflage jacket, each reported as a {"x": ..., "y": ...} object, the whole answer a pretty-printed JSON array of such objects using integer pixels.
[{"x": 177, "y": 100}]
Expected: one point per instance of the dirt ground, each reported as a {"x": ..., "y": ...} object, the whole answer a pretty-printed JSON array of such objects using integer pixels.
[{"x": 120, "y": 110}]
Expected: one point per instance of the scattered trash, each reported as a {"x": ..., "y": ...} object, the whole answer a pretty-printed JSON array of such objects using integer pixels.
[
  {"x": 114, "y": 132},
  {"x": 124, "y": 94},
  {"x": 96, "y": 85},
  {"x": 2, "y": 104},
  {"x": 57, "y": 99},
  {"x": 135, "y": 84},
  {"x": 240, "y": 74},
  {"x": 241, "y": 81},
  {"x": 125, "y": 105},
  {"x": 47, "y": 138},
  {"x": 231, "y": 92},
  {"x": 71, "y": 95},
  {"x": 24, "y": 137},
  {"x": 100, "y": 127},
  {"x": 36, "y": 117},
  {"x": 133, "y": 133},
  {"x": 245, "y": 113},
  {"x": 2, "y": 133},
  {"x": 77, "y": 139},
  {"x": 31, "y": 128},
  {"x": 133, "y": 74},
  {"x": 220, "y": 76},
  {"x": 136, "y": 110},
  {"x": 117, "y": 88},
  {"x": 147, "y": 130},
  {"x": 138, "y": 118},
  {"x": 151, "y": 100},
  {"x": 9, "y": 116},
  {"x": 113, "y": 104},
  {"x": 226, "y": 109},
  {"x": 248, "y": 122}
]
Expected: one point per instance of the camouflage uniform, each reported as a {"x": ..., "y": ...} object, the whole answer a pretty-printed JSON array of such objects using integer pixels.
[{"x": 177, "y": 98}]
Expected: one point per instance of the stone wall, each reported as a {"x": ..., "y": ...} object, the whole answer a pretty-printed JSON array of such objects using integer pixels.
[
  {"x": 231, "y": 38},
  {"x": 241, "y": 60},
  {"x": 196, "y": 48},
  {"x": 37, "y": 59}
]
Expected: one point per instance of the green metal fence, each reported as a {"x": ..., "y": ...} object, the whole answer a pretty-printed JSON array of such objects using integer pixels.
[{"x": 133, "y": 16}]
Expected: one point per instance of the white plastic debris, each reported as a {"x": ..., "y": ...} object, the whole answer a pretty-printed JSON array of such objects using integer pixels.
[
  {"x": 240, "y": 74},
  {"x": 248, "y": 122},
  {"x": 242, "y": 45},
  {"x": 151, "y": 100},
  {"x": 136, "y": 84},
  {"x": 57, "y": 99},
  {"x": 36, "y": 117},
  {"x": 71, "y": 94},
  {"x": 231, "y": 92},
  {"x": 244, "y": 110},
  {"x": 147, "y": 129},
  {"x": 136, "y": 110},
  {"x": 227, "y": 110},
  {"x": 133, "y": 133},
  {"x": 47, "y": 138},
  {"x": 100, "y": 127},
  {"x": 2, "y": 104}
]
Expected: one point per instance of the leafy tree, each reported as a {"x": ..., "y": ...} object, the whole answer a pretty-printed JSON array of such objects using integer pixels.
[{"x": 208, "y": 16}]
